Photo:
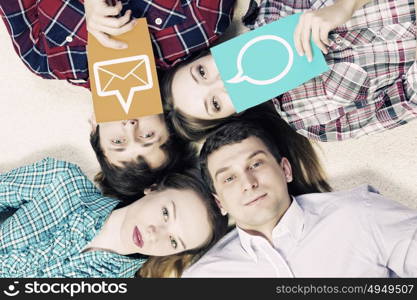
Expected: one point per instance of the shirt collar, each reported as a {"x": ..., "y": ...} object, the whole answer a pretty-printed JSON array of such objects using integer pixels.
[
  {"x": 292, "y": 222},
  {"x": 246, "y": 242}
]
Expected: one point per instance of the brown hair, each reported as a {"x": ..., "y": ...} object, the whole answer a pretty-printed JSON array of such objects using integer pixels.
[
  {"x": 186, "y": 126},
  {"x": 174, "y": 265},
  {"x": 280, "y": 139},
  {"x": 127, "y": 183}
]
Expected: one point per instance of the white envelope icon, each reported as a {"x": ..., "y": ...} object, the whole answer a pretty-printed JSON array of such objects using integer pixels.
[{"x": 123, "y": 77}]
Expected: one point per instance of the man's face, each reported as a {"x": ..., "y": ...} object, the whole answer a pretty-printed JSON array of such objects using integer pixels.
[
  {"x": 250, "y": 184},
  {"x": 124, "y": 141}
]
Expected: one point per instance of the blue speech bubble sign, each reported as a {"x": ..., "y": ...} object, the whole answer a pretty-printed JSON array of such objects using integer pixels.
[{"x": 239, "y": 77}]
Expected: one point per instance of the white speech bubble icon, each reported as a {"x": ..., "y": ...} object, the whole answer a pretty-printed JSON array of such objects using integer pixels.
[{"x": 239, "y": 77}]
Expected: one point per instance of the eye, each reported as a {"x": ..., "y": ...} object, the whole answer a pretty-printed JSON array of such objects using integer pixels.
[
  {"x": 202, "y": 71},
  {"x": 165, "y": 214},
  {"x": 148, "y": 135},
  {"x": 256, "y": 165},
  {"x": 215, "y": 104},
  {"x": 174, "y": 243},
  {"x": 118, "y": 141},
  {"x": 229, "y": 179}
]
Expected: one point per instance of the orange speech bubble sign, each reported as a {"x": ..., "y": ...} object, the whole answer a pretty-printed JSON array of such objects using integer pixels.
[{"x": 124, "y": 83}]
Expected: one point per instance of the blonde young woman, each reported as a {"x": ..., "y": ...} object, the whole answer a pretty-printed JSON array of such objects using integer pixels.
[{"x": 64, "y": 227}]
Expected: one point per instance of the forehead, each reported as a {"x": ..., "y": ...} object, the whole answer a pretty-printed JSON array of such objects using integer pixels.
[
  {"x": 154, "y": 158},
  {"x": 235, "y": 154}
]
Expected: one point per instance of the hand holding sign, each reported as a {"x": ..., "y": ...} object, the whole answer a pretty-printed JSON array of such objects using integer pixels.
[
  {"x": 317, "y": 24},
  {"x": 124, "y": 83},
  {"x": 262, "y": 64},
  {"x": 104, "y": 18}
]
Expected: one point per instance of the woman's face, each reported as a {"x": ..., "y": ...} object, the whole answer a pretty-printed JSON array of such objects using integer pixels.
[
  {"x": 125, "y": 141},
  {"x": 165, "y": 222},
  {"x": 198, "y": 91}
]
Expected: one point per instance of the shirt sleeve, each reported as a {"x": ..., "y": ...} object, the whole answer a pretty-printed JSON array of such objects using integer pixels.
[
  {"x": 200, "y": 25},
  {"x": 21, "y": 185},
  {"x": 394, "y": 229},
  {"x": 44, "y": 32}
]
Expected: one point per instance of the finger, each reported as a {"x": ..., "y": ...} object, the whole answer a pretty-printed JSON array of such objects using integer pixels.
[
  {"x": 305, "y": 39},
  {"x": 324, "y": 35},
  {"x": 115, "y": 31},
  {"x": 112, "y": 21},
  {"x": 315, "y": 32},
  {"x": 297, "y": 37},
  {"x": 106, "y": 10},
  {"x": 108, "y": 42}
]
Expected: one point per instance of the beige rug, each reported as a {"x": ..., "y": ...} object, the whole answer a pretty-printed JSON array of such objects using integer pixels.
[{"x": 40, "y": 118}]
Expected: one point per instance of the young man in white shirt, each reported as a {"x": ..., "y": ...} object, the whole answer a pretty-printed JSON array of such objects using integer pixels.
[{"x": 355, "y": 233}]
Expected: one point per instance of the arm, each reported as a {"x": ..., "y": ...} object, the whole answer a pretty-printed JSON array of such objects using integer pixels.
[
  {"x": 394, "y": 229},
  {"x": 20, "y": 185},
  {"x": 38, "y": 27},
  {"x": 319, "y": 23}
]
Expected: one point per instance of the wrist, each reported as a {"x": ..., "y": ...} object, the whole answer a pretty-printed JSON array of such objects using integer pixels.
[{"x": 347, "y": 5}]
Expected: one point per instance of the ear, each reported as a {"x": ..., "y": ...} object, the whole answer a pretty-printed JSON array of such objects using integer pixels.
[
  {"x": 93, "y": 122},
  {"x": 219, "y": 204},
  {"x": 150, "y": 189},
  {"x": 286, "y": 168}
]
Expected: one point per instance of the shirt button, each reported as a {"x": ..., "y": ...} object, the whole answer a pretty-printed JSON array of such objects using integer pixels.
[
  {"x": 158, "y": 21},
  {"x": 338, "y": 41},
  {"x": 69, "y": 39}
]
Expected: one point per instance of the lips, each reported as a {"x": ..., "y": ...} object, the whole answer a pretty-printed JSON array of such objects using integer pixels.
[
  {"x": 137, "y": 237},
  {"x": 256, "y": 200}
]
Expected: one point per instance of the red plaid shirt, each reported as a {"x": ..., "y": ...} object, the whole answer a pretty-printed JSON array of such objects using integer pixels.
[{"x": 50, "y": 36}]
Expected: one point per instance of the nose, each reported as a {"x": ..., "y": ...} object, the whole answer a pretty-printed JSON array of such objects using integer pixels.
[
  {"x": 131, "y": 127},
  {"x": 249, "y": 182},
  {"x": 156, "y": 233},
  {"x": 219, "y": 82}
]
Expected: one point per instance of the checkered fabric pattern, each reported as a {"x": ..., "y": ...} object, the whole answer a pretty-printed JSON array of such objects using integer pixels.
[
  {"x": 50, "y": 36},
  {"x": 59, "y": 211},
  {"x": 371, "y": 85}
]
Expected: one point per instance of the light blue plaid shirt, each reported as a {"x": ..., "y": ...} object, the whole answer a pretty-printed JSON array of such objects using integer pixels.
[{"x": 59, "y": 211}]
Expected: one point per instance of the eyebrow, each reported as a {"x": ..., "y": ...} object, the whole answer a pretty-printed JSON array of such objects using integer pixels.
[
  {"x": 221, "y": 170},
  {"x": 175, "y": 217},
  {"x": 206, "y": 107},
  {"x": 192, "y": 75}
]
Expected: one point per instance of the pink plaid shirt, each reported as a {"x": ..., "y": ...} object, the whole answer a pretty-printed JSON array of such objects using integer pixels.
[{"x": 371, "y": 85}]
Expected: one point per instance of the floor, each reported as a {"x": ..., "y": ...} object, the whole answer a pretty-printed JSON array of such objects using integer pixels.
[{"x": 40, "y": 118}]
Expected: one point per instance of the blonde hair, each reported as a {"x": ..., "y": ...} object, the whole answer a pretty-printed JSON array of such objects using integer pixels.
[{"x": 166, "y": 266}]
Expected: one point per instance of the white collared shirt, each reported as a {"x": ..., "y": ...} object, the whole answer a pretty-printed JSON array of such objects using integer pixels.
[{"x": 356, "y": 233}]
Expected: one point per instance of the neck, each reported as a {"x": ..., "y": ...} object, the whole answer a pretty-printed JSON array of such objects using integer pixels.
[
  {"x": 265, "y": 229},
  {"x": 108, "y": 238}
]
